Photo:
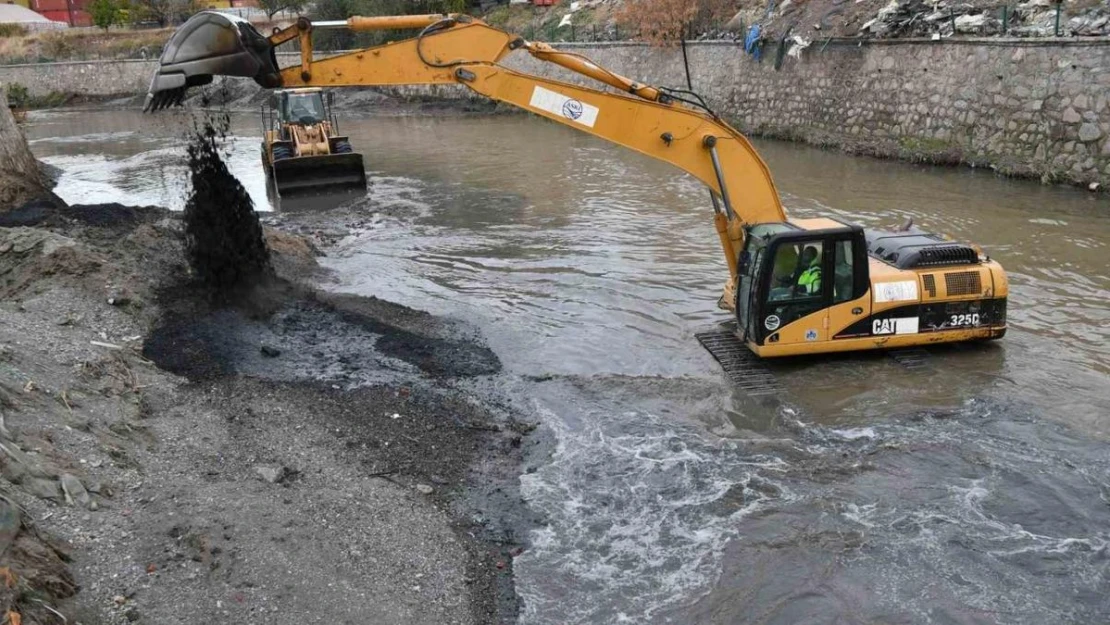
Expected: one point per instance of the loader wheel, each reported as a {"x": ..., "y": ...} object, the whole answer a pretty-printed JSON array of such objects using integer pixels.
[
  {"x": 282, "y": 152},
  {"x": 343, "y": 147}
]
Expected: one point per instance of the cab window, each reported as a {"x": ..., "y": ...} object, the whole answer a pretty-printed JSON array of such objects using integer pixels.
[
  {"x": 843, "y": 277},
  {"x": 797, "y": 286},
  {"x": 304, "y": 108},
  {"x": 796, "y": 274}
]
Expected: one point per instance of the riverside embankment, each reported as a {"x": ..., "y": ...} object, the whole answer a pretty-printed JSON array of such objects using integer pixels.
[{"x": 1033, "y": 108}]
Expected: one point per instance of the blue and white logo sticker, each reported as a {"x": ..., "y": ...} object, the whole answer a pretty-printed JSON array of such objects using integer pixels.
[
  {"x": 555, "y": 103},
  {"x": 572, "y": 109},
  {"x": 811, "y": 335}
]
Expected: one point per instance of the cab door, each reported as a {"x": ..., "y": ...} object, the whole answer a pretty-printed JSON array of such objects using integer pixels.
[
  {"x": 747, "y": 298},
  {"x": 851, "y": 284},
  {"x": 797, "y": 293}
]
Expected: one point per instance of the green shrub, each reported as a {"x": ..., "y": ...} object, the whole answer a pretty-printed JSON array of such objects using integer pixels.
[{"x": 18, "y": 95}]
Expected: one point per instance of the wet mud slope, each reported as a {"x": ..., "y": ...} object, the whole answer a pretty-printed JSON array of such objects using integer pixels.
[{"x": 375, "y": 382}]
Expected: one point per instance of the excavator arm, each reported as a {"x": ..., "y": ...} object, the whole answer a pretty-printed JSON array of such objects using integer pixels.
[{"x": 663, "y": 124}]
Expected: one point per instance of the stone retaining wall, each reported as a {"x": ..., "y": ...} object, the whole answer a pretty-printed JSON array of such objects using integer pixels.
[{"x": 1024, "y": 107}]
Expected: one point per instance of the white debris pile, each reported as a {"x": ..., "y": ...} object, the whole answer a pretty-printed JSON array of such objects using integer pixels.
[
  {"x": 1038, "y": 19},
  {"x": 920, "y": 18}
]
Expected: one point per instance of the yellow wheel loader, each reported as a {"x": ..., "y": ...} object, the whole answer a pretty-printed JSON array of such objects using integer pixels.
[
  {"x": 795, "y": 286},
  {"x": 301, "y": 150}
]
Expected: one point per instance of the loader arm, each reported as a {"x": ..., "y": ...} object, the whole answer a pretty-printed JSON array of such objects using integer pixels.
[{"x": 666, "y": 125}]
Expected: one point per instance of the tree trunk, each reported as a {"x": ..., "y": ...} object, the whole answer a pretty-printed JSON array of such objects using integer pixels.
[{"x": 20, "y": 179}]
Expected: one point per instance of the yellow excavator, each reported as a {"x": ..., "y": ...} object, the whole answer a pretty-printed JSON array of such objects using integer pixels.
[{"x": 796, "y": 286}]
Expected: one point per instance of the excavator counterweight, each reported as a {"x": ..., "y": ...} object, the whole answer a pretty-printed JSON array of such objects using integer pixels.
[{"x": 795, "y": 286}]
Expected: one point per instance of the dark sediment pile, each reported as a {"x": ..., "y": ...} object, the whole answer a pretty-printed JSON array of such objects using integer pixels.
[{"x": 223, "y": 237}]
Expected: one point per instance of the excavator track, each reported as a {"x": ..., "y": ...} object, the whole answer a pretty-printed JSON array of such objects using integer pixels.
[
  {"x": 741, "y": 366},
  {"x": 913, "y": 358}
]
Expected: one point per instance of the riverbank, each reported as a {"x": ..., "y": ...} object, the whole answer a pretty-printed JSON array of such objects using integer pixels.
[{"x": 287, "y": 457}]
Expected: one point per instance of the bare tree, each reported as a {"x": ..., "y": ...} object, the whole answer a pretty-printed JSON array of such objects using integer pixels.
[
  {"x": 165, "y": 12},
  {"x": 273, "y": 7},
  {"x": 665, "y": 22}
]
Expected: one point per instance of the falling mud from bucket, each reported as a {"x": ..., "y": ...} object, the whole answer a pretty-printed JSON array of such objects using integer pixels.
[{"x": 223, "y": 237}]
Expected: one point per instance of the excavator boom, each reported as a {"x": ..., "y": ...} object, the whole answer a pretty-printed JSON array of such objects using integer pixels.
[{"x": 671, "y": 126}]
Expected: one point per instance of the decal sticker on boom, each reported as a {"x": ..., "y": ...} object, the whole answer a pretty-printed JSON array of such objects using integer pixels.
[
  {"x": 897, "y": 325},
  {"x": 558, "y": 104}
]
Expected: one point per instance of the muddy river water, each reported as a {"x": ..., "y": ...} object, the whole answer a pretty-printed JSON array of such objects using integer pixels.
[{"x": 974, "y": 490}]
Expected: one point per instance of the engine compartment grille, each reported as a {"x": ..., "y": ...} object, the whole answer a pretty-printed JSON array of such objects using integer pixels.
[
  {"x": 963, "y": 283},
  {"x": 930, "y": 282}
]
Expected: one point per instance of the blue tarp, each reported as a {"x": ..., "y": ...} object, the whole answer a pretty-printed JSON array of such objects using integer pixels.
[{"x": 751, "y": 42}]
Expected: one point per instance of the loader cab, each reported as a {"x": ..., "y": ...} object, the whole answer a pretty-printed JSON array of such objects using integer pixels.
[
  {"x": 300, "y": 106},
  {"x": 800, "y": 271}
]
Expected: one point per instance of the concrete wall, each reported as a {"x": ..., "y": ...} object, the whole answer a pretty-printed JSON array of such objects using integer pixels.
[
  {"x": 1023, "y": 107},
  {"x": 92, "y": 78}
]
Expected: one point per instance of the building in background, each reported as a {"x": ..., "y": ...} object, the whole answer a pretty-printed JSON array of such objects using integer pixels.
[
  {"x": 19, "y": 13},
  {"x": 71, "y": 12}
]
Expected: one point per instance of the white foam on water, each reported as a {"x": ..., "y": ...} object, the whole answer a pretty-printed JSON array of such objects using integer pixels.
[
  {"x": 157, "y": 177},
  {"x": 852, "y": 434},
  {"x": 1013, "y": 538},
  {"x": 637, "y": 520},
  {"x": 97, "y": 137}
]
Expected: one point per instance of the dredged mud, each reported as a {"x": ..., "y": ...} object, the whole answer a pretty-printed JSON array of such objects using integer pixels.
[
  {"x": 382, "y": 375},
  {"x": 223, "y": 237}
]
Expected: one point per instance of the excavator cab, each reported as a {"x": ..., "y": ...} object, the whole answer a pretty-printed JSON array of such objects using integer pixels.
[
  {"x": 789, "y": 273},
  {"x": 303, "y": 107}
]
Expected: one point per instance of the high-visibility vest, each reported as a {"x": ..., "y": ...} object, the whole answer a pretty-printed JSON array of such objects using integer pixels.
[{"x": 811, "y": 279}]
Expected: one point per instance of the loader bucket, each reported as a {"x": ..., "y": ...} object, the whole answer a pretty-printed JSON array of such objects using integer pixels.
[
  {"x": 315, "y": 174},
  {"x": 211, "y": 44}
]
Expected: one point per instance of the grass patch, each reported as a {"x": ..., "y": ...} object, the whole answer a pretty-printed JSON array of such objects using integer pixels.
[{"x": 82, "y": 45}]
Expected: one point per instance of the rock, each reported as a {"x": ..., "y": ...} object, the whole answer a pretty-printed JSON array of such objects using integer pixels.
[
  {"x": 272, "y": 475},
  {"x": 10, "y": 524},
  {"x": 75, "y": 491},
  {"x": 131, "y": 615},
  {"x": 1071, "y": 117},
  {"x": 439, "y": 479},
  {"x": 970, "y": 23},
  {"x": 1089, "y": 132},
  {"x": 424, "y": 489},
  {"x": 42, "y": 488},
  {"x": 1094, "y": 186},
  {"x": 270, "y": 352}
]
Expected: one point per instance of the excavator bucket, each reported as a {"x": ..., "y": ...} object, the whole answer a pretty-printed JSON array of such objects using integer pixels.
[
  {"x": 211, "y": 44},
  {"x": 315, "y": 174}
]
